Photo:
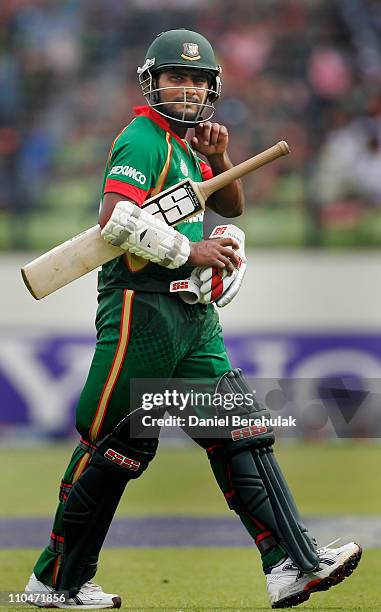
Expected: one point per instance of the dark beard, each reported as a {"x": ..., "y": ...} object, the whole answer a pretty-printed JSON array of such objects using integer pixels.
[{"x": 189, "y": 115}]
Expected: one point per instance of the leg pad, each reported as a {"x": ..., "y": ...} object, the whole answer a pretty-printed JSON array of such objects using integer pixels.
[{"x": 93, "y": 500}]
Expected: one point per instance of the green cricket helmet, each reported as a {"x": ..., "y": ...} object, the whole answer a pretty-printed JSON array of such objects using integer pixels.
[{"x": 180, "y": 49}]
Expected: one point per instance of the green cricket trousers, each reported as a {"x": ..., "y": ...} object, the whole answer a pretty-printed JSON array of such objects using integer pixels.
[{"x": 139, "y": 335}]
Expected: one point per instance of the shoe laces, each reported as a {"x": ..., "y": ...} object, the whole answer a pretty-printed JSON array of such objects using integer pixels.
[
  {"x": 327, "y": 546},
  {"x": 91, "y": 586}
]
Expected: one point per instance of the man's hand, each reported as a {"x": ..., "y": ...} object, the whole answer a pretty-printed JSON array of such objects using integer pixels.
[
  {"x": 215, "y": 253},
  {"x": 216, "y": 286},
  {"x": 208, "y": 284},
  {"x": 210, "y": 139}
]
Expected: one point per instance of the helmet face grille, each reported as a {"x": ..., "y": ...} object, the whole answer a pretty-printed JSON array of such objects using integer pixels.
[
  {"x": 203, "y": 108},
  {"x": 152, "y": 94},
  {"x": 180, "y": 49}
]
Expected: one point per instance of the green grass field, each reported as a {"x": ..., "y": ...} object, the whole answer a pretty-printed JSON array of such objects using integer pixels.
[
  {"x": 201, "y": 580},
  {"x": 325, "y": 479}
]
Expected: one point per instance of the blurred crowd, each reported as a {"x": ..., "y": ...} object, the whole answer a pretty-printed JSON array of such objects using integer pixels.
[{"x": 306, "y": 71}]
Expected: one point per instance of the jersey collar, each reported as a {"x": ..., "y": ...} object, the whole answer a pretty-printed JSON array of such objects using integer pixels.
[{"x": 147, "y": 111}]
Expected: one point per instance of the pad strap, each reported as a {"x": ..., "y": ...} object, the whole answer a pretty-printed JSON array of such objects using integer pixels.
[
  {"x": 57, "y": 543},
  {"x": 143, "y": 234},
  {"x": 87, "y": 446},
  {"x": 65, "y": 488}
]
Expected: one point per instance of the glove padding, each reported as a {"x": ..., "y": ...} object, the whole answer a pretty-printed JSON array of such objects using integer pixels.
[
  {"x": 214, "y": 285},
  {"x": 189, "y": 288},
  {"x": 136, "y": 231}
]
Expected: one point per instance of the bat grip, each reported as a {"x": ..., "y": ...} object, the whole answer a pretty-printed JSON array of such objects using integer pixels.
[{"x": 227, "y": 177}]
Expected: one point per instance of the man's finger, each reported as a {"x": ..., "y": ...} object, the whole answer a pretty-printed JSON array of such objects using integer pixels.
[
  {"x": 228, "y": 242},
  {"x": 217, "y": 263},
  {"x": 227, "y": 264},
  {"x": 215, "y": 131},
  {"x": 206, "y": 133},
  {"x": 232, "y": 257}
]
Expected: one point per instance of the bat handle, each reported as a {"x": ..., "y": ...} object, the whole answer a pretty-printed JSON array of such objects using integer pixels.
[{"x": 227, "y": 177}]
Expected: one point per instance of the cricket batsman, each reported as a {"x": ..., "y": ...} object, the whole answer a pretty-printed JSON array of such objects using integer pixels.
[{"x": 157, "y": 318}]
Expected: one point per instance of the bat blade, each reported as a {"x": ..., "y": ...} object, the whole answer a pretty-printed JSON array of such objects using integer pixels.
[
  {"x": 87, "y": 251},
  {"x": 67, "y": 262}
]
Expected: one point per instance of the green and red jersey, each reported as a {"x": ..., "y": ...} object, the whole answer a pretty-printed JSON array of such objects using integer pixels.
[{"x": 146, "y": 158}]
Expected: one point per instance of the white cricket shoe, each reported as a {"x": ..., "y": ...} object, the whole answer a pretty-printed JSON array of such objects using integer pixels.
[
  {"x": 89, "y": 597},
  {"x": 287, "y": 586}
]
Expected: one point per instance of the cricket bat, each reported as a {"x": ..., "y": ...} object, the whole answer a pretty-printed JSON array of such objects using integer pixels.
[{"x": 88, "y": 250}]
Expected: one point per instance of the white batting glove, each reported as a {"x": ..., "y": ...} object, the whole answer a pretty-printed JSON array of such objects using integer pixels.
[
  {"x": 216, "y": 284},
  {"x": 234, "y": 287},
  {"x": 208, "y": 285},
  {"x": 189, "y": 288}
]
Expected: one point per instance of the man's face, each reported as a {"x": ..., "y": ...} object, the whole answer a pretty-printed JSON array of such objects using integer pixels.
[{"x": 187, "y": 93}]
